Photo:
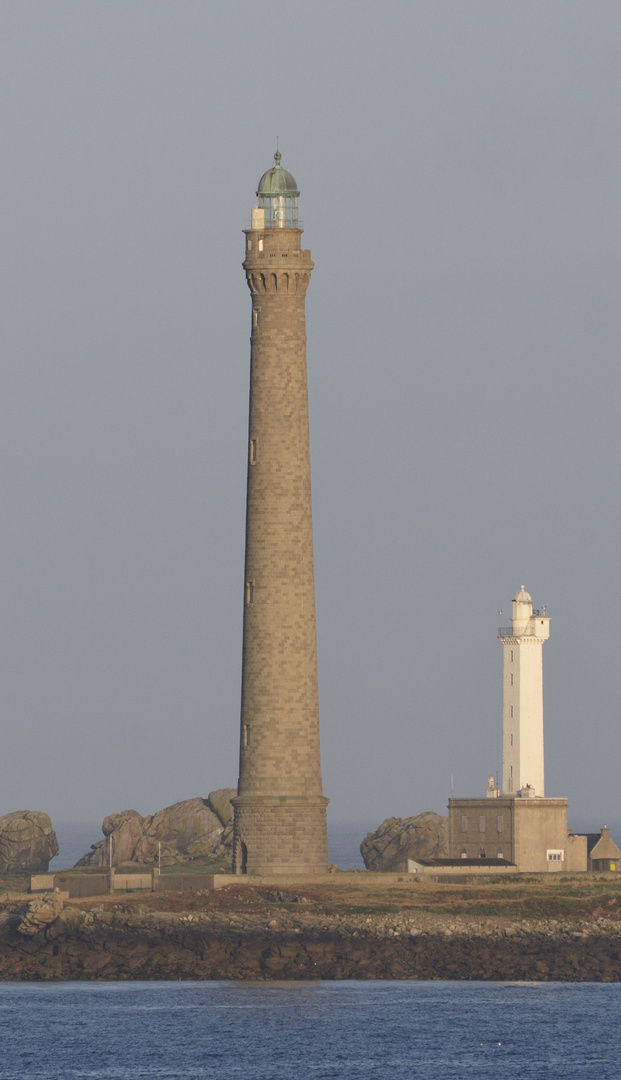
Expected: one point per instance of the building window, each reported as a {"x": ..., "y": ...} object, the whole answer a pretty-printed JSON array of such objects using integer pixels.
[
  {"x": 250, "y": 592},
  {"x": 482, "y": 853},
  {"x": 511, "y": 710},
  {"x": 512, "y": 771},
  {"x": 249, "y": 244},
  {"x": 512, "y": 740},
  {"x": 260, "y": 243},
  {"x": 482, "y": 823},
  {"x": 499, "y": 854},
  {"x": 246, "y": 735},
  {"x": 499, "y": 823},
  {"x": 511, "y": 678},
  {"x": 555, "y": 855},
  {"x": 464, "y": 853},
  {"x": 255, "y": 317},
  {"x": 511, "y": 655},
  {"x": 464, "y": 824},
  {"x": 253, "y": 451}
]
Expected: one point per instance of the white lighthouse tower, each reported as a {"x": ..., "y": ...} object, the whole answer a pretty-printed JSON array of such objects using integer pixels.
[
  {"x": 522, "y": 704},
  {"x": 519, "y": 825}
]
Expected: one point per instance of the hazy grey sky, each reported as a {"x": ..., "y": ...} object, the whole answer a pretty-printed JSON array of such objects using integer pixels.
[{"x": 460, "y": 168}]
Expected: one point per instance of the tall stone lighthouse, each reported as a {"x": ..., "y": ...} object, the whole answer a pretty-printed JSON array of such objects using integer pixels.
[
  {"x": 522, "y": 698},
  {"x": 280, "y": 810}
]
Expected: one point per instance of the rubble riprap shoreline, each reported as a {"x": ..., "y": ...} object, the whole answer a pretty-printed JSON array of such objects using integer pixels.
[{"x": 286, "y": 935}]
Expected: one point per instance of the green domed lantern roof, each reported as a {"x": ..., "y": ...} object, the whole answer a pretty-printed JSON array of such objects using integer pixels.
[
  {"x": 277, "y": 198},
  {"x": 277, "y": 181}
]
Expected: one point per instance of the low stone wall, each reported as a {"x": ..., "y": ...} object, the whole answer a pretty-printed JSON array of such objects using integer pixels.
[
  {"x": 185, "y": 882},
  {"x": 457, "y": 873},
  {"x": 74, "y": 885},
  {"x": 84, "y": 885},
  {"x": 79, "y": 885},
  {"x": 123, "y": 882},
  {"x": 41, "y": 882},
  {"x": 358, "y": 877}
]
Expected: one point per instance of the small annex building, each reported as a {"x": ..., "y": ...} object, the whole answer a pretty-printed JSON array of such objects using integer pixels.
[
  {"x": 603, "y": 853},
  {"x": 457, "y": 870}
]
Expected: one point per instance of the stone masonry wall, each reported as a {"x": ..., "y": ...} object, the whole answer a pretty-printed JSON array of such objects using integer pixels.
[
  {"x": 279, "y": 737},
  {"x": 282, "y": 837}
]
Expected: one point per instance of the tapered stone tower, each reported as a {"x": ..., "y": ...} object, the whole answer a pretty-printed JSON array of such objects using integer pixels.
[{"x": 280, "y": 810}]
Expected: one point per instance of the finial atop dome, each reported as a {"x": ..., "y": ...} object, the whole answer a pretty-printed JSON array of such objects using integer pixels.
[
  {"x": 277, "y": 181},
  {"x": 523, "y": 596}
]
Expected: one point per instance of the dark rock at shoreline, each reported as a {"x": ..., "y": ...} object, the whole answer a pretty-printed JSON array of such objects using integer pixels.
[
  {"x": 127, "y": 941},
  {"x": 388, "y": 849},
  {"x": 192, "y": 829},
  {"x": 27, "y": 842}
]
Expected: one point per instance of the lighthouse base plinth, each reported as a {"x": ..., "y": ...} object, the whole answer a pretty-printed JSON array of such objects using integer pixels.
[{"x": 283, "y": 834}]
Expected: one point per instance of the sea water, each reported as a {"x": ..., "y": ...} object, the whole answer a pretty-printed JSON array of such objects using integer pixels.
[{"x": 285, "y": 1031}]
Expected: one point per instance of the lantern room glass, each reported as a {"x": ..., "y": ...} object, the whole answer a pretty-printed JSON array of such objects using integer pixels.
[{"x": 281, "y": 211}]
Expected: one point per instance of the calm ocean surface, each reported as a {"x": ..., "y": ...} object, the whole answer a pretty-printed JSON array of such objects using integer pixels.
[{"x": 234, "y": 1031}]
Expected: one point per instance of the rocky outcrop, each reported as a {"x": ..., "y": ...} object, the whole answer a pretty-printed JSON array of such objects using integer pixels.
[
  {"x": 188, "y": 830},
  {"x": 39, "y": 914},
  {"x": 223, "y": 848},
  {"x": 125, "y": 832},
  {"x": 277, "y": 934},
  {"x": 220, "y": 802},
  {"x": 388, "y": 849},
  {"x": 27, "y": 842}
]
